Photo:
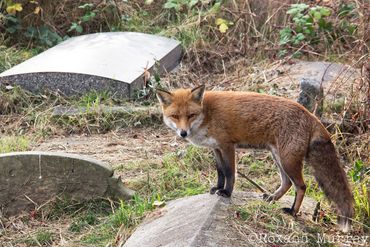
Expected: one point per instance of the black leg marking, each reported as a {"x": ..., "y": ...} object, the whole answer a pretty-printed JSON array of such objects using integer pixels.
[
  {"x": 224, "y": 193},
  {"x": 228, "y": 158},
  {"x": 291, "y": 210},
  {"x": 288, "y": 211},
  {"x": 220, "y": 173}
]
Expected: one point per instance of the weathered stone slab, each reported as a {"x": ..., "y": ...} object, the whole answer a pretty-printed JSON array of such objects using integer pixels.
[
  {"x": 198, "y": 221},
  {"x": 322, "y": 71},
  {"x": 29, "y": 179},
  {"x": 113, "y": 62},
  {"x": 180, "y": 224}
]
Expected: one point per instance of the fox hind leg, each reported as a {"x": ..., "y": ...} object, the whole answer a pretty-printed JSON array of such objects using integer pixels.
[
  {"x": 284, "y": 187},
  {"x": 285, "y": 180},
  {"x": 294, "y": 171}
]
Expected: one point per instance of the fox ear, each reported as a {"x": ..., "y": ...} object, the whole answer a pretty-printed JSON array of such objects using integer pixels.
[
  {"x": 164, "y": 97},
  {"x": 197, "y": 93}
]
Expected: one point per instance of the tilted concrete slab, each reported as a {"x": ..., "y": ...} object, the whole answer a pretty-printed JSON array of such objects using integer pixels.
[
  {"x": 113, "y": 62},
  {"x": 199, "y": 221},
  {"x": 180, "y": 223},
  {"x": 29, "y": 179}
]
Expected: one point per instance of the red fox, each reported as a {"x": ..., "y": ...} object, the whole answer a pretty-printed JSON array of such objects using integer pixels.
[{"x": 225, "y": 120}]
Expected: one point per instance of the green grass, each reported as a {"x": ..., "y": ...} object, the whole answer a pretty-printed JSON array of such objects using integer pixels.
[
  {"x": 360, "y": 176},
  {"x": 362, "y": 204},
  {"x": 334, "y": 106},
  {"x": 83, "y": 217},
  {"x": 10, "y": 56},
  {"x": 14, "y": 144},
  {"x": 93, "y": 99},
  {"x": 62, "y": 207},
  {"x": 82, "y": 222},
  {"x": 128, "y": 214},
  {"x": 180, "y": 174},
  {"x": 264, "y": 172},
  {"x": 258, "y": 167},
  {"x": 40, "y": 238},
  {"x": 313, "y": 190}
]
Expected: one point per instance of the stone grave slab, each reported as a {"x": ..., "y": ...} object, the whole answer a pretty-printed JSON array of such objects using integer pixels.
[
  {"x": 199, "y": 221},
  {"x": 113, "y": 62},
  {"x": 30, "y": 179}
]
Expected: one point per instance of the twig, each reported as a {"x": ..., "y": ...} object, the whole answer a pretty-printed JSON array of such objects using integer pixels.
[
  {"x": 31, "y": 200},
  {"x": 2, "y": 225},
  {"x": 263, "y": 190},
  {"x": 118, "y": 9},
  {"x": 324, "y": 74}
]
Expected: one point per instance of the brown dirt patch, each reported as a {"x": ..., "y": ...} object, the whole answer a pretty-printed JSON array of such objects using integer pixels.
[{"x": 115, "y": 148}]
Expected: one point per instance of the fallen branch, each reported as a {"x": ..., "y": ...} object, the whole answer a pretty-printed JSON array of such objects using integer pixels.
[{"x": 259, "y": 187}]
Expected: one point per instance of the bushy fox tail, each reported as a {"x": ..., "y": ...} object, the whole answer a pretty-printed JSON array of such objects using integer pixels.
[{"x": 331, "y": 177}]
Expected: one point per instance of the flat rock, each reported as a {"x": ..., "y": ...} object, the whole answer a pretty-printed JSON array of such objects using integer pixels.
[
  {"x": 197, "y": 221},
  {"x": 322, "y": 71},
  {"x": 29, "y": 179},
  {"x": 111, "y": 62}
]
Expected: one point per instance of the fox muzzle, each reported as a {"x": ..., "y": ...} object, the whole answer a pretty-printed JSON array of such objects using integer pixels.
[{"x": 183, "y": 133}]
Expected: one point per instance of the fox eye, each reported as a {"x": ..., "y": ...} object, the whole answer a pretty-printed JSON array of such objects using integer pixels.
[
  {"x": 175, "y": 116},
  {"x": 191, "y": 115}
]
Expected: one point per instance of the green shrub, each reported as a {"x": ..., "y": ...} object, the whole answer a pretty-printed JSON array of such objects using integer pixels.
[{"x": 316, "y": 25}]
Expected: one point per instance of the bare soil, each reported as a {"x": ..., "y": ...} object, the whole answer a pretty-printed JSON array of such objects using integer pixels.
[{"x": 117, "y": 147}]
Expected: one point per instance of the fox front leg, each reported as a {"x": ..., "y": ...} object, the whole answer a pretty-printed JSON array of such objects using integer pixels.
[
  {"x": 228, "y": 168},
  {"x": 220, "y": 172}
]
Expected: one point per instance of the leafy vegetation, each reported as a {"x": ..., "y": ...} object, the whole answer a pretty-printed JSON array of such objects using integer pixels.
[
  {"x": 313, "y": 25},
  {"x": 88, "y": 16}
]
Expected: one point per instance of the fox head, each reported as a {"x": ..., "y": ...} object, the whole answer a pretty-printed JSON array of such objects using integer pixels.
[{"x": 182, "y": 109}]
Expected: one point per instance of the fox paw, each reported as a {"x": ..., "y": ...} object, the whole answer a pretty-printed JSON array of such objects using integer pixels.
[
  {"x": 289, "y": 211},
  {"x": 213, "y": 190},
  {"x": 224, "y": 193}
]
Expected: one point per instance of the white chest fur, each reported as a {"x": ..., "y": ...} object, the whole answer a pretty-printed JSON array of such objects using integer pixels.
[{"x": 201, "y": 138}]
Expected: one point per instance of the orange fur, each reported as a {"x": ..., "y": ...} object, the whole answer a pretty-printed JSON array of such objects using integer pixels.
[{"x": 224, "y": 120}]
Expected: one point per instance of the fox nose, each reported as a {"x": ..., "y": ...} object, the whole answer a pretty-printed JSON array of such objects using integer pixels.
[{"x": 183, "y": 133}]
